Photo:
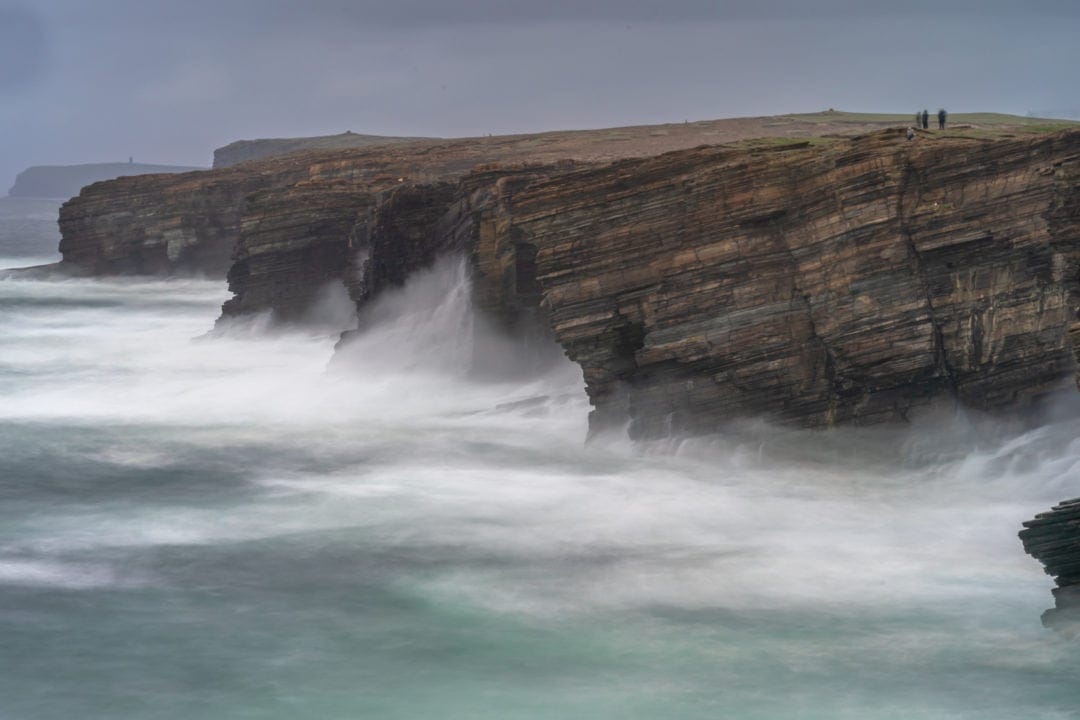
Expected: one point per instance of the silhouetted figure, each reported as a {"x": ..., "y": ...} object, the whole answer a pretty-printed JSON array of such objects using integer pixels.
[
  {"x": 910, "y": 134},
  {"x": 918, "y": 119},
  {"x": 925, "y": 120},
  {"x": 941, "y": 115}
]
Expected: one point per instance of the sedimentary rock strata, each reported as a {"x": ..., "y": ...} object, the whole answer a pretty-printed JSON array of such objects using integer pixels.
[
  {"x": 849, "y": 281},
  {"x": 1053, "y": 538},
  {"x": 815, "y": 285},
  {"x": 161, "y": 224}
]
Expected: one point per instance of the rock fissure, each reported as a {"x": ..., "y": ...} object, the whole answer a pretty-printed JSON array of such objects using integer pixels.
[{"x": 919, "y": 272}]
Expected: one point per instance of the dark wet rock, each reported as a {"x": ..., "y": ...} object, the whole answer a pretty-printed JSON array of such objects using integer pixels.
[{"x": 1053, "y": 538}]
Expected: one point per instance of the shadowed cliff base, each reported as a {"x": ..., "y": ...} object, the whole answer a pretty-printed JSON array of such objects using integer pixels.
[{"x": 839, "y": 280}]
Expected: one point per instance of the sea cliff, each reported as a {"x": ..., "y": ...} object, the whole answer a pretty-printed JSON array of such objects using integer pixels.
[
  {"x": 818, "y": 285},
  {"x": 811, "y": 282}
]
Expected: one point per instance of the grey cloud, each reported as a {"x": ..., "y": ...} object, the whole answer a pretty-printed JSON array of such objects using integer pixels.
[
  {"x": 403, "y": 14},
  {"x": 169, "y": 81},
  {"x": 22, "y": 47}
]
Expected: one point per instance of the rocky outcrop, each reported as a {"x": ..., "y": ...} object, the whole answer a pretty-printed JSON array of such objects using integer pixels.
[
  {"x": 849, "y": 283},
  {"x": 194, "y": 222},
  {"x": 1053, "y": 538},
  {"x": 811, "y": 283},
  {"x": 64, "y": 181},
  {"x": 159, "y": 224}
]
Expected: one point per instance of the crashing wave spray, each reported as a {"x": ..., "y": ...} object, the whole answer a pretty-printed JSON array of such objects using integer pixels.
[
  {"x": 431, "y": 326},
  {"x": 427, "y": 325}
]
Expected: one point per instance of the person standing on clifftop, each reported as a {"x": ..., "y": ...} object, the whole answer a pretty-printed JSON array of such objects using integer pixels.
[
  {"x": 941, "y": 115},
  {"x": 925, "y": 120}
]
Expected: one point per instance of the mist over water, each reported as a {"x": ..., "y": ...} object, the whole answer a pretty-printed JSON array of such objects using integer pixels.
[
  {"x": 28, "y": 231},
  {"x": 230, "y": 524}
]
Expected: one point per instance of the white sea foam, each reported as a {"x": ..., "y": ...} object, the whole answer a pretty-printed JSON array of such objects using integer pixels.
[
  {"x": 55, "y": 574},
  {"x": 237, "y": 459}
]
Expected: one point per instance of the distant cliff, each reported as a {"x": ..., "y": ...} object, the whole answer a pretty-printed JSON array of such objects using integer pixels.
[
  {"x": 808, "y": 282},
  {"x": 247, "y": 150},
  {"x": 64, "y": 181}
]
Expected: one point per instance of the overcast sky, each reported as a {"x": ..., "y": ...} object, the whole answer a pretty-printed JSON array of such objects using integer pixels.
[{"x": 99, "y": 80}]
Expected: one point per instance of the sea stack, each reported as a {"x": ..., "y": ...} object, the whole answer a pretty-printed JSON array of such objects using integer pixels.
[{"x": 1053, "y": 538}]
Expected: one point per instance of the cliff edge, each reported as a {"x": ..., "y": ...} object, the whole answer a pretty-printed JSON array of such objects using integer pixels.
[
  {"x": 247, "y": 150},
  {"x": 813, "y": 282}
]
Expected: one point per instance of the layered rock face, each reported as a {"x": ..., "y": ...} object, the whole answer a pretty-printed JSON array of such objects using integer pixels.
[
  {"x": 193, "y": 222},
  {"x": 284, "y": 228},
  {"x": 1053, "y": 538},
  {"x": 365, "y": 220},
  {"x": 161, "y": 224},
  {"x": 809, "y": 285}
]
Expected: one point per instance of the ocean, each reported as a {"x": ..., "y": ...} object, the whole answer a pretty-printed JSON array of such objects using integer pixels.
[{"x": 242, "y": 523}]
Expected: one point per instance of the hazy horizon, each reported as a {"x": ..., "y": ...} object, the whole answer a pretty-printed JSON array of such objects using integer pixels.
[{"x": 169, "y": 83}]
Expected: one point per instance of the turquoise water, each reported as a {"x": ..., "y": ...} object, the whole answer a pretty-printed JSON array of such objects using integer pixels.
[{"x": 232, "y": 526}]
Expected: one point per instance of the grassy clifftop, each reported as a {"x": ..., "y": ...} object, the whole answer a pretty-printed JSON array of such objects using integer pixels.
[
  {"x": 642, "y": 140},
  {"x": 245, "y": 150}
]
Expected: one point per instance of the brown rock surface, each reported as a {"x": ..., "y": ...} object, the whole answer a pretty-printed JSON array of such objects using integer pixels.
[
  {"x": 191, "y": 222},
  {"x": 161, "y": 224},
  {"x": 810, "y": 282},
  {"x": 807, "y": 284}
]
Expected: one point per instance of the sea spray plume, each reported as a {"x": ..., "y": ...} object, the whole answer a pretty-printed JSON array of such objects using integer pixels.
[
  {"x": 431, "y": 325},
  {"x": 426, "y": 325},
  {"x": 182, "y": 495}
]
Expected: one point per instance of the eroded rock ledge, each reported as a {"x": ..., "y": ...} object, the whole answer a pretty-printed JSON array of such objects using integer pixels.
[
  {"x": 816, "y": 284},
  {"x": 1053, "y": 538}
]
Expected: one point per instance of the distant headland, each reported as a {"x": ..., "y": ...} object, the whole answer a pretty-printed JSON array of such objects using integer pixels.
[{"x": 64, "y": 181}]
